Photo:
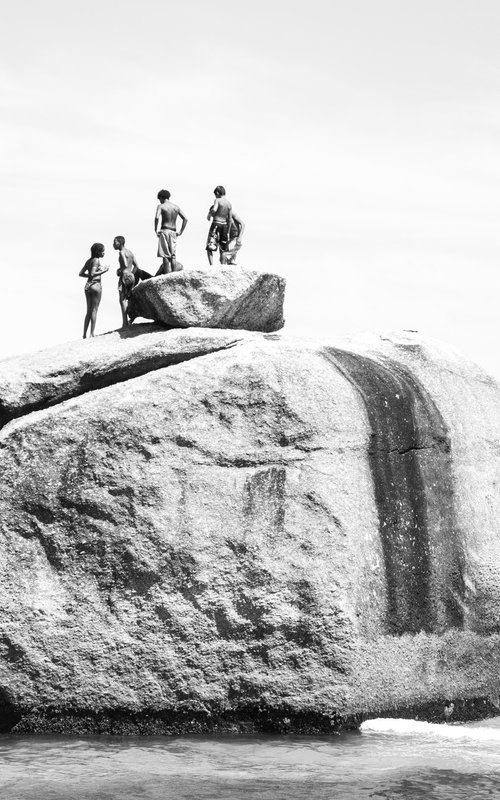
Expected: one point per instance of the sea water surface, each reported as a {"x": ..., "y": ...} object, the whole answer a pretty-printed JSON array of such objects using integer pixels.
[{"x": 385, "y": 760}]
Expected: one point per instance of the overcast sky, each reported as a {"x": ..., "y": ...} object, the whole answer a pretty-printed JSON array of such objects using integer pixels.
[{"x": 358, "y": 139}]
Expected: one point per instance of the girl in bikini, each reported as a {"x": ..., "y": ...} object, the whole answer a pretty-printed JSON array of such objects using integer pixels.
[{"x": 92, "y": 270}]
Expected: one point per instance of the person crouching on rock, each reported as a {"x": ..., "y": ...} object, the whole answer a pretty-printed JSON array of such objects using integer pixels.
[
  {"x": 92, "y": 270},
  {"x": 129, "y": 274},
  {"x": 221, "y": 215},
  {"x": 165, "y": 228},
  {"x": 236, "y": 232}
]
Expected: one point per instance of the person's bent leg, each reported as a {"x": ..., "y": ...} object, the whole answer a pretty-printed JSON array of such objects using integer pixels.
[
  {"x": 232, "y": 254},
  {"x": 212, "y": 243},
  {"x": 165, "y": 267}
]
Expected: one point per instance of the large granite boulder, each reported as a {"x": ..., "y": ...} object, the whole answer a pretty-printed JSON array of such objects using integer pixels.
[
  {"x": 267, "y": 534},
  {"x": 212, "y": 298}
]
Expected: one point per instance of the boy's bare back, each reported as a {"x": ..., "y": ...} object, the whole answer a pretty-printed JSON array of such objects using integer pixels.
[
  {"x": 221, "y": 210},
  {"x": 168, "y": 212},
  {"x": 126, "y": 260}
]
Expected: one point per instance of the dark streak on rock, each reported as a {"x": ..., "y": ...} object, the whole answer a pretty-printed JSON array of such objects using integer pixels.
[
  {"x": 264, "y": 500},
  {"x": 410, "y": 464}
]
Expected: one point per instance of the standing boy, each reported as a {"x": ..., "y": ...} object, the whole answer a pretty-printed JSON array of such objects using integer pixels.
[
  {"x": 221, "y": 214},
  {"x": 129, "y": 273},
  {"x": 166, "y": 230}
]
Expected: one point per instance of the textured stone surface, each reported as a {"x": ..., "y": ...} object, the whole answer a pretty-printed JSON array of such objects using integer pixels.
[
  {"x": 212, "y": 298},
  {"x": 281, "y": 535},
  {"x": 45, "y": 378}
]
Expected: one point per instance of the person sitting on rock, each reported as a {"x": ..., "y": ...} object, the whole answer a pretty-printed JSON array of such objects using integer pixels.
[
  {"x": 92, "y": 270},
  {"x": 129, "y": 274},
  {"x": 221, "y": 214},
  {"x": 166, "y": 230},
  {"x": 234, "y": 246}
]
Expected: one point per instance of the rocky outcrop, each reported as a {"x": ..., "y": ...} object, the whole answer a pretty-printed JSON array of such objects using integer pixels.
[
  {"x": 267, "y": 534},
  {"x": 47, "y": 377},
  {"x": 214, "y": 298}
]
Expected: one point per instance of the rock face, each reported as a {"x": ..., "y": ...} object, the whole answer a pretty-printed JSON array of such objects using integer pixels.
[
  {"x": 39, "y": 380},
  {"x": 214, "y": 298},
  {"x": 257, "y": 533}
]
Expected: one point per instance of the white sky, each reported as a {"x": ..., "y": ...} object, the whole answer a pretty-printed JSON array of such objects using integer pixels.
[{"x": 358, "y": 139}]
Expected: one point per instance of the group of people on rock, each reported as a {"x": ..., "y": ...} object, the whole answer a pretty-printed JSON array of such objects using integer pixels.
[{"x": 225, "y": 234}]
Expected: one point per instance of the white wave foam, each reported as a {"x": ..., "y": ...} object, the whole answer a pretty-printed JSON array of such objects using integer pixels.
[{"x": 413, "y": 726}]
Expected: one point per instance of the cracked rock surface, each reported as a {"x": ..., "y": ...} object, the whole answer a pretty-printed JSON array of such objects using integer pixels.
[{"x": 222, "y": 530}]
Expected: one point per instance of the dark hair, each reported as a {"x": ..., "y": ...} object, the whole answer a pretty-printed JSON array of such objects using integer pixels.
[
  {"x": 219, "y": 190},
  {"x": 163, "y": 194},
  {"x": 120, "y": 239},
  {"x": 97, "y": 250}
]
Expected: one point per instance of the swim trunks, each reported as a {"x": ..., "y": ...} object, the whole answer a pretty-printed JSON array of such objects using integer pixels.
[
  {"x": 167, "y": 243},
  {"x": 217, "y": 236}
]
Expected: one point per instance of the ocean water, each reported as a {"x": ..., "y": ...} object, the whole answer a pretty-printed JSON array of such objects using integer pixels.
[{"x": 387, "y": 759}]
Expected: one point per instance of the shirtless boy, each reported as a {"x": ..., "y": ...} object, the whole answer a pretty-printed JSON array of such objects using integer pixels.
[
  {"x": 129, "y": 273},
  {"x": 221, "y": 215},
  {"x": 235, "y": 233},
  {"x": 165, "y": 228}
]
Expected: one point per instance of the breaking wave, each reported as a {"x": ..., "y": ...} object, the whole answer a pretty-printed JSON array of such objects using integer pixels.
[{"x": 480, "y": 733}]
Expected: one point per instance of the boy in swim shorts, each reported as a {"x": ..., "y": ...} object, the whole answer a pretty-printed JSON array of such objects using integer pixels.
[
  {"x": 129, "y": 273},
  {"x": 221, "y": 215},
  {"x": 166, "y": 230}
]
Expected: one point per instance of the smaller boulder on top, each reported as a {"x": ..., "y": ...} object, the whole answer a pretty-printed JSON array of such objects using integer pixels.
[{"x": 222, "y": 298}]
